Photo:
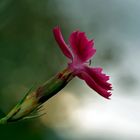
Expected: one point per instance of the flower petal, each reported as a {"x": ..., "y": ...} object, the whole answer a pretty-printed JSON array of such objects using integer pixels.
[
  {"x": 101, "y": 89},
  {"x": 63, "y": 46},
  {"x": 82, "y": 48},
  {"x": 100, "y": 78}
]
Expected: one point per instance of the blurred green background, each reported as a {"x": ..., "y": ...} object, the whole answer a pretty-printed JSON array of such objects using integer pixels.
[{"x": 29, "y": 56}]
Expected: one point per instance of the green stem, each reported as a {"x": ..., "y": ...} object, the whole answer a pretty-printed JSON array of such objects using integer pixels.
[
  {"x": 3, "y": 120},
  {"x": 32, "y": 101}
]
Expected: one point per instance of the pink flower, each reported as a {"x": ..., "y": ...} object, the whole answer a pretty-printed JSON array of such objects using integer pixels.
[{"x": 80, "y": 51}]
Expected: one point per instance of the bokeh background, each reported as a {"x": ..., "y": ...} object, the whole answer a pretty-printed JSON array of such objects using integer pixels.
[{"x": 29, "y": 56}]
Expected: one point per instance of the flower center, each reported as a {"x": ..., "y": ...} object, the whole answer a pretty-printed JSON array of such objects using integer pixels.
[{"x": 76, "y": 67}]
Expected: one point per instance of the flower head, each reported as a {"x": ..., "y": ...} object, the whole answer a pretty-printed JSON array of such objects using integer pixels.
[{"x": 80, "y": 51}]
